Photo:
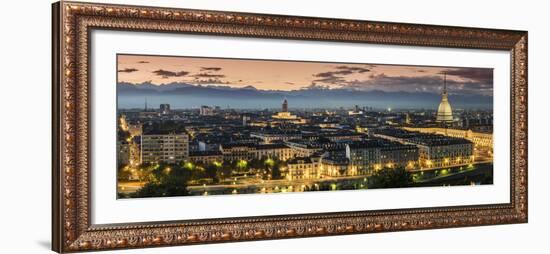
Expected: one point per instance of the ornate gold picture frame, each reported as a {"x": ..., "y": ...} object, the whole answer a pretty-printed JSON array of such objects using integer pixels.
[{"x": 72, "y": 229}]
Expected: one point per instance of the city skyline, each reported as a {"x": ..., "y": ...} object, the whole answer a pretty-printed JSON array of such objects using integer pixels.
[
  {"x": 274, "y": 75},
  {"x": 205, "y": 126},
  {"x": 212, "y": 151}
]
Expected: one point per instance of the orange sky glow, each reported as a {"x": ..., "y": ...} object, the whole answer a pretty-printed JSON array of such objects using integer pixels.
[{"x": 293, "y": 75}]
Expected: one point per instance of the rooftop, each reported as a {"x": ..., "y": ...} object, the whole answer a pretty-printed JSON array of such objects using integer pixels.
[
  {"x": 204, "y": 153},
  {"x": 271, "y": 146},
  {"x": 422, "y": 138},
  {"x": 163, "y": 132},
  {"x": 300, "y": 160},
  {"x": 438, "y": 140},
  {"x": 275, "y": 132},
  {"x": 368, "y": 143},
  {"x": 305, "y": 143}
]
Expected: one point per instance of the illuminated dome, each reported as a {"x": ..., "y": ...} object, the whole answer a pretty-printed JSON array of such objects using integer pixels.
[{"x": 444, "y": 112}]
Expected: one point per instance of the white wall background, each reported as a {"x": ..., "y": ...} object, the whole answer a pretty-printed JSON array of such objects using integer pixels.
[{"x": 25, "y": 129}]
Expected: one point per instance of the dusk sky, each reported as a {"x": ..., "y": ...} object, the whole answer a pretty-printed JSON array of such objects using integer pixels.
[{"x": 290, "y": 75}]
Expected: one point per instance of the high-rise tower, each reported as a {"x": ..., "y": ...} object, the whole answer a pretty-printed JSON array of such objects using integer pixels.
[
  {"x": 145, "y": 109},
  {"x": 285, "y": 106}
]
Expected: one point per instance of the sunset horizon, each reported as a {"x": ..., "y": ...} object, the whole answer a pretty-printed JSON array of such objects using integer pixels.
[{"x": 279, "y": 75}]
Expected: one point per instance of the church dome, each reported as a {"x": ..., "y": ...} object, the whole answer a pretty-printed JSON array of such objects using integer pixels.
[{"x": 444, "y": 111}]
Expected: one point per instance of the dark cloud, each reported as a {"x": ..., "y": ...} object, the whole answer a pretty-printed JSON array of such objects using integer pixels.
[
  {"x": 168, "y": 74},
  {"x": 430, "y": 84},
  {"x": 336, "y": 76},
  {"x": 474, "y": 80},
  {"x": 333, "y": 80},
  {"x": 290, "y": 83},
  {"x": 332, "y": 73},
  {"x": 211, "y": 69},
  {"x": 353, "y": 68},
  {"x": 142, "y": 62},
  {"x": 481, "y": 75},
  {"x": 208, "y": 75},
  {"x": 128, "y": 70}
]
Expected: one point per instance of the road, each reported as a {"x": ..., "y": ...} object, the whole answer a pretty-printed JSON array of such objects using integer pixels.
[{"x": 428, "y": 177}]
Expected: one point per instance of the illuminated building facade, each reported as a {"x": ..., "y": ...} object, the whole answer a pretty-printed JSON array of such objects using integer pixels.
[
  {"x": 364, "y": 156},
  {"x": 444, "y": 153},
  {"x": 399, "y": 156},
  {"x": 206, "y": 157},
  {"x": 337, "y": 167},
  {"x": 249, "y": 151},
  {"x": 480, "y": 139},
  {"x": 284, "y": 116},
  {"x": 236, "y": 152},
  {"x": 301, "y": 168},
  {"x": 279, "y": 151},
  {"x": 370, "y": 155},
  {"x": 434, "y": 150},
  {"x": 268, "y": 137},
  {"x": 164, "y": 147}
]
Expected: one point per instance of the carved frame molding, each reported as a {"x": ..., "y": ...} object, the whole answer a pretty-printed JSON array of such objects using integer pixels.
[{"x": 71, "y": 226}]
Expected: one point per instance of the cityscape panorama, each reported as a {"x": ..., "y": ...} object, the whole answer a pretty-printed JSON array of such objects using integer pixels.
[{"x": 196, "y": 126}]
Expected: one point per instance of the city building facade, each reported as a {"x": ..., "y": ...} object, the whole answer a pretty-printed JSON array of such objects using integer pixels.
[
  {"x": 434, "y": 150},
  {"x": 206, "y": 157},
  {"x": 302, "y": 168},
  {"x": 480, "y": 139},
  {"x": 164, "y": 147}
]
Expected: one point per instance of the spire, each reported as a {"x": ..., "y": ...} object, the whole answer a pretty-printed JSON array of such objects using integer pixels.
[
  {"x": 285, "y": 105},
  {"x": 145, "y": 103},
  {"x": 444, "y": 111},
  {"x": 444, "y": 82}
]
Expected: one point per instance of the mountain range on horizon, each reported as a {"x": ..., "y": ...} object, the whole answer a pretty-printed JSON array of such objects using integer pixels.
[{"x": 183, "y": 95}]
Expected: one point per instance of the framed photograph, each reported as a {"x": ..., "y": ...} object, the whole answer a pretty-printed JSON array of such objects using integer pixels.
[{"x": 178, "y": 126}]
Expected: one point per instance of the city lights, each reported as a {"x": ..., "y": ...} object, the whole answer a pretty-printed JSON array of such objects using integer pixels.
[
  {"x": 289, "y": 147},
  {"x": 189, "y": 166}
]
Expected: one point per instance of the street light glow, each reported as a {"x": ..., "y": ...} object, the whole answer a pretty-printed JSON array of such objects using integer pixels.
[
  {"x": 275, "y": 158},
  {"x": 188, "y": 165}
]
